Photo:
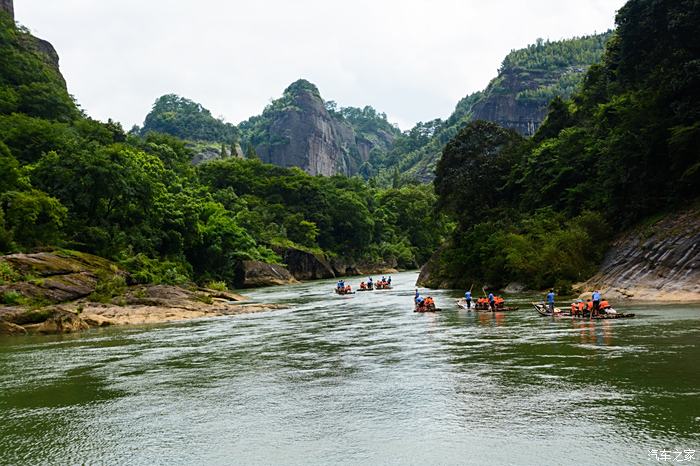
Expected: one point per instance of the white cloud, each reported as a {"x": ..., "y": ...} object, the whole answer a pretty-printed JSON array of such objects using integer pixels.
[{"x": 413, "y": 59}]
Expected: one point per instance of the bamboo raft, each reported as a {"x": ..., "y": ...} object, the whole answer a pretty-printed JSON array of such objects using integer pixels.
[
  {"x": 462, "y": 303},
  {"x": 558, "y": 313}
]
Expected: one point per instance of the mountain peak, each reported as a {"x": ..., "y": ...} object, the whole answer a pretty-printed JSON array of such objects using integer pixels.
[{"x": 301, "y": 86}]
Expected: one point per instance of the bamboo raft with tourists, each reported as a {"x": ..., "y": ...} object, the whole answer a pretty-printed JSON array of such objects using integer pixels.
[
  {"x": 369, "y": 285},
  {"x": 485, "y": 307},
  {"x": 609, "y": 313},
  {"x": 486, "y": 303},
  {"x": 424, "y": 304}
]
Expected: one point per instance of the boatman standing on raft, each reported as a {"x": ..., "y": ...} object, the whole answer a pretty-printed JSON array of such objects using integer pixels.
[
  {"x": 550, "y": 301},
  {"x": 492, "y": 301},
  {"x": 596, "y": 302},
  {"x": 468, "y": 298}
]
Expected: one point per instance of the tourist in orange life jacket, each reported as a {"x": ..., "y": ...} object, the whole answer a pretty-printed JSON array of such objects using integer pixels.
[
  {"x": 604, "y": 304},
  {"x": 363, "y": 286},
  {"x": 581, "y": 306},
  {"x": 589, "y": 305},
  {"x": 574, "y": 308}
]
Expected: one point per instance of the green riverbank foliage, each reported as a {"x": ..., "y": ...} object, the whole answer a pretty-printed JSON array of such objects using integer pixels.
[
  {"x": 69, "y": 181},
  {"x": 626, "y": 146}
]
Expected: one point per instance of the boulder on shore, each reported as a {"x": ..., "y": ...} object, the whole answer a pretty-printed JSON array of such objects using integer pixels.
[
  {"x": 305, "y": 265},
  {"x": 8, "y": 328},
  {"x": 253, "y": 274}
]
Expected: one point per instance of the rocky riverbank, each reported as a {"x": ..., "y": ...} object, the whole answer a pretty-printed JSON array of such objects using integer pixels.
[
  {"x": 304, "y": 265},
  {"x": 66, "y": 292},
  {"x": 657, "y": 261}
]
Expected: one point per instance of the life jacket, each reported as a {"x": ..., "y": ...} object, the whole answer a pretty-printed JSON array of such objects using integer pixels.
[
  {"x": 581, "y": 306},
  {"x": 573, "y": 307},
  {"x": 589, "y": 305},
  {"x": 604, "y": 304}
]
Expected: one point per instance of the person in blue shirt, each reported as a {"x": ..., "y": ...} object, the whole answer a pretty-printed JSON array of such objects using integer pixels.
[
  {"x": 417, "y": 296},
  {"x": 550, "y": 301},
  {"x": 468, "y": 298},
  {"x": 492, "y": 301},
  {"x": 389, "y": 280},
  {"x": 370, "y": 284},
  {"x": 596, "y": 302}
]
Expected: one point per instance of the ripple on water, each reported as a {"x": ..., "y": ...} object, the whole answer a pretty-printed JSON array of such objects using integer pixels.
[{"x": 356, "y": 380}]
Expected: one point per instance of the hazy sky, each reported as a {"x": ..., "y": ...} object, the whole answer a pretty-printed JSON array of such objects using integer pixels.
[{"x": 412, "y": 59}]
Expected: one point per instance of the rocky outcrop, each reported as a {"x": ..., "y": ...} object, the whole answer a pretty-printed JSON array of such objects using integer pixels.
[
  {"x": 209, "y": 153},
  {"x": 254, "y": 274},
  {"x": 206, "y": 154},
  {"x": 299, "y": 131},
  {"x": 139, "y": 305},
  {"x": 8, "y": 328},
  {"x": 57, "y": 277},
  {"x": 8, "y": 7},
  {"x": 502, "y": 106},
  {"x": 345, "y": 268},
  {"x": 656, "y": 262},
  {"x": 430, "y": 276},
  {"x": 305, "y": 265}
]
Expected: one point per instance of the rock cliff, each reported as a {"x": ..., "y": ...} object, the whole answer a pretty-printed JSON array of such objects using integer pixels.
[
  {"x": 8, "y": 7},
  {"x": 300, "y": 130},
  {"x": 659, "y": 261}
]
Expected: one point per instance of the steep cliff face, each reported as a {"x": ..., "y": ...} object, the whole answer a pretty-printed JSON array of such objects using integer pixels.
[
  {"x": 45, "y": 49},
  {"x": 8, "y": 7},
  {"x": 655, "y": 262},
  {"x": 300, "y": 130},
  {"x": 502, "y": 103},
  {"x": 305, "y": 135}
]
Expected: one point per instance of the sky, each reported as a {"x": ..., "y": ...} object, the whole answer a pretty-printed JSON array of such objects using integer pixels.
[{"x": 411, "y": 59}]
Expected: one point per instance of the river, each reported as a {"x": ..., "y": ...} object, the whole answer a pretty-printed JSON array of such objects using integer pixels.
[{"x": 357, "y": 380}]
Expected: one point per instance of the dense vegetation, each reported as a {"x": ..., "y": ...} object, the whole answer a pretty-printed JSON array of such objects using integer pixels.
[
  {"x": 531, "y": 76},
  {"x": 625, "y": 146},
  {"x": 69, "y": 181},
  {"x": 185, "y": 119}
]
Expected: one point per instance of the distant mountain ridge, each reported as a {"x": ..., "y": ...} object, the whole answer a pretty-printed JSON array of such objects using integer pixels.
[
  {"x": 517, "y": 98},
  {"x": 301, "y": 129}
]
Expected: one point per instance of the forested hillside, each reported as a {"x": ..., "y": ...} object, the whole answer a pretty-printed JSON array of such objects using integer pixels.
[
  {"x": 188, "y": 120},
  {"x": 540, "y": 211},
  {"x": 72, "y": 182},
  {"x": 517, "y": 98}
]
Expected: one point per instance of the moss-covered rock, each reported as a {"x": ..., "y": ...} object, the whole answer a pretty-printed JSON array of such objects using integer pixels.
[{"x": 60, "y": 276}]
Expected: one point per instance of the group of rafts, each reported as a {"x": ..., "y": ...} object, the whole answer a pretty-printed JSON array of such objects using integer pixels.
[
  {"x": 383, "y": 284},
  {"x": 591, "y": 309},
  {"x": 595, "y": 308}
]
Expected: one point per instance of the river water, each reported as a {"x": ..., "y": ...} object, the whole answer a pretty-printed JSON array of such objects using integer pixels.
[{"x": 357, "y": 380}]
